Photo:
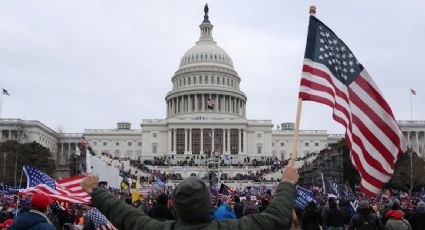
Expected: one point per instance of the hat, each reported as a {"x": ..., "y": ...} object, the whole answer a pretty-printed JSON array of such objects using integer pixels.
[
  {"x": 363, "y": 204},
  {"x": 40, "y": 201},
  {"x": 192, "y": 200}
]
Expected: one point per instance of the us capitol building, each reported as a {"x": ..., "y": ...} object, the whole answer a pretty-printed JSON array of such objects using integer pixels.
[{"x": 205, "y": 113}]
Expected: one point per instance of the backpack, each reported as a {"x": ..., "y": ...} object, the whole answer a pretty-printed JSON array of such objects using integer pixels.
[{"x": 367, "y": 222}]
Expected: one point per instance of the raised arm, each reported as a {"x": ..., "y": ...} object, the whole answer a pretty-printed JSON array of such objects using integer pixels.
[{"x": 122, "y": 215}]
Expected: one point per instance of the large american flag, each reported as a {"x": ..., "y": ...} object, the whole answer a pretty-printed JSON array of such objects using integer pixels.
[
  {"x": 66, "y": 190},
  {"x": 333, "y": 76}
]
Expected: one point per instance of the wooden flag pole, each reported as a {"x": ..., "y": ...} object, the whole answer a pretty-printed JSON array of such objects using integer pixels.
[
  {"x": 296, "y": 131},
  {"x": 299, "y": 107}
]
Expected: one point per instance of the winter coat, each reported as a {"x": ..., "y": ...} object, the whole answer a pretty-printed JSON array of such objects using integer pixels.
[
  {"x": 277, "y": 216},
  {"x": 160, "y": 212},
  {"x": 396, "y": 221},
  {"x": 224, "y": 212},
  {"x": 364, "y": 219},
  {"x": 239, "y": 209},
  {"x": 417, "y": 221},
  {"x": 334, "y": 218},
  {"x": 32, "y": 220},
  {"x": 311, "y": 220}
]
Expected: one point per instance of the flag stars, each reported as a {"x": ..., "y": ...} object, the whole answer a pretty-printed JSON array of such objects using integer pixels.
[{"x": 352, "y": 70}]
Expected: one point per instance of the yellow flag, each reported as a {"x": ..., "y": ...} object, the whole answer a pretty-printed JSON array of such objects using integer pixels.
[{"x": 136, "y": 195}]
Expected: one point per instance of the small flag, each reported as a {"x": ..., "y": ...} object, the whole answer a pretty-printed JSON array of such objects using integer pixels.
[
  {"x": 136, "y": 194},
  {"x": 210, "y": 103},
  {"x": 100, "y": 222},
  {"x": 303, "y": 197},
  {"x": 5, "y": 92},
  {"x": 413, "y": 92}
]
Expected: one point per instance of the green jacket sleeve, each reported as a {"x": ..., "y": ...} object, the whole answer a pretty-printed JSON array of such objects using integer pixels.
[
  {"x": 122, "y": 215},
  {"x": 277, "y": 216}
]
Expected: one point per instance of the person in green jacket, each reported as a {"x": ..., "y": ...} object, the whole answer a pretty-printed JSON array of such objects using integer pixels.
[{"x": 193, "y": 210}]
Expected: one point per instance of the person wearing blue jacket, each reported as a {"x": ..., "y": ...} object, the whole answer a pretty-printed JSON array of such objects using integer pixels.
[
  {"x": 35, "y": 218},
  {"x": 224, "y": 212}
]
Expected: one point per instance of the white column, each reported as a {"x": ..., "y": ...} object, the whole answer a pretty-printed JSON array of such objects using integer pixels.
[
  {"x": 190, "y": 141},
  {"x": 190, "y": 103},
  {"x": 239, "y": 141},
  {"x": 223, "y": 144},
  {"x": 212, "y": 141},
  {"x": 417, "y": 143},
  {"x": 169, "y": 141},
  {"x": 203, "y": 103},
  {"x": 216, "y": 103},
  {"x": 202, "y": 141},
  {"x": 185, "y": 141},
  {"x": 409, "y": 145},
  {"x": 69, "y": 150},
  {"x": 228, "y": 140},
  {"x": 174, "y": 140},
  {"x": 245, "y": 141},
  {"x": 196, "y": 103}
]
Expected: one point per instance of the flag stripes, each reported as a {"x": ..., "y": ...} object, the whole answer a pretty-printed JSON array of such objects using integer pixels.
[{"x": 372, "y": 133}]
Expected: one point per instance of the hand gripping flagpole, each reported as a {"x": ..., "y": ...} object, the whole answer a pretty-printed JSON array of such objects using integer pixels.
[{"x": 299, "y": 107}]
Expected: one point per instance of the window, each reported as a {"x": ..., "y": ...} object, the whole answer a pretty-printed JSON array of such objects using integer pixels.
[
  {"x": 94, "y": 143},
  {"x": 117, "y": 144},
  {"x": 228, "y": 81},
  {"x": 231, "y": 83},
  {"x": 154, "y": 135},
  {"x": 212, "y": 80},
  {"x": 206, "y": 79},
  {"x": 200, "y": 79},
  {"x": 184, "y": 81},
  {"x": 130, "y": 143},
  {"x": 316, "y": 144},
  {"x": 282, "y": 144},
  {"x": 139, "y": 143},
  {"x": 258, "y": 149},
  {"x": 306, "y": 144},
  {"x": 259, "y": 135},
  {"x": 154, "y": 148},
  {"x": 105, "y": 144},
  {"x": 194, "y": 80},
  {"x": 189, "y": 80}
]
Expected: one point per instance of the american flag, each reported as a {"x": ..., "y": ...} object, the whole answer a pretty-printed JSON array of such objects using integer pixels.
[
  {"x": 100, "y": 222},
  {"x": 66, "y": 190},
  {"x": 333, "y": 76},
  {"x": 210, "y": 103}
]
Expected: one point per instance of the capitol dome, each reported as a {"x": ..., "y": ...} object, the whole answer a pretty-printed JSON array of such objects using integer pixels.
[
  {"x": 206, "y": 52},
  {"x": 206, "y": 81}
]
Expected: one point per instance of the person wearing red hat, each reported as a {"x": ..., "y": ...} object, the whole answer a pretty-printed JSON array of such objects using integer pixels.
[{"x": 36, "y": 218}]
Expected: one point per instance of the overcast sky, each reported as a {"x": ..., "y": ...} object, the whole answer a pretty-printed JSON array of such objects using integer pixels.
[{"x": 88, "y": 64}]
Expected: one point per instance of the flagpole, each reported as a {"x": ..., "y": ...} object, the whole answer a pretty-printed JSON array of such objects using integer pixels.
[
  {"x": 296, "y": 131},
  {"x": 299, "y": 107},
  {"x": 411, "y": 107},
  {"x": 1, "y": 100}
]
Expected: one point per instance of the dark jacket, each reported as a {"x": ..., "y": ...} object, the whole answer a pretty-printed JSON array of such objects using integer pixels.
[
  {"x": 417, "y": 221},
  {"x": 334, "y": 218},
  {"x": 239, "y": 209},
  {"x": 311, "y": 219},
  {"x": 364, "y": 219},
  {"x": 277, "y": 216},
  {"x": 160, "y": 212},
  {"x": 32, "y": 220}
]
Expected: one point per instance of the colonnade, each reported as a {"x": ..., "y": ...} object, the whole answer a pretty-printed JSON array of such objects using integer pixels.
[
  {"x": 199, "y": 103},
  {"x": 207, "y": 140},
  {"x": 416, "y": 141}
]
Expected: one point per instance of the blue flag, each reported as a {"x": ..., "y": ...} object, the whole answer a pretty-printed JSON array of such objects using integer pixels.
[
  {"x": 331, "y": 188},
  {"x": 303, "y": 196}
]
